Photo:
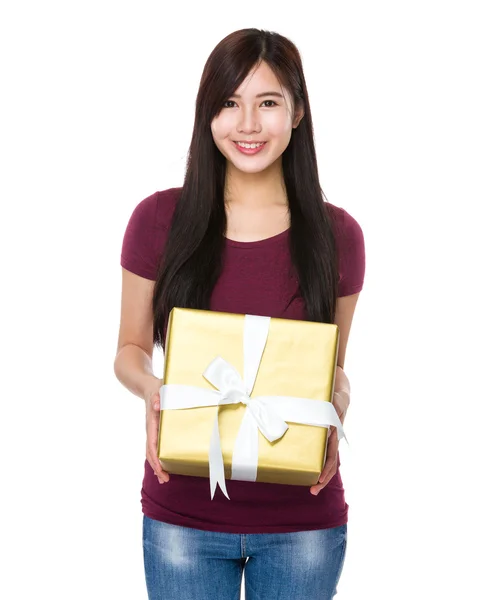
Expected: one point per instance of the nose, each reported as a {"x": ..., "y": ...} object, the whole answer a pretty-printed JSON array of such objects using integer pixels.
[{"x": 248, "y": 122}]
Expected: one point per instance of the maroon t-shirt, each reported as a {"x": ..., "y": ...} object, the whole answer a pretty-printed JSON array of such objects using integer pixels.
[{"x": 255, "y": 280}]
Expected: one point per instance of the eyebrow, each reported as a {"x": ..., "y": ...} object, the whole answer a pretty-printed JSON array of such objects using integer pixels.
[{"x": 277, "y": 94}]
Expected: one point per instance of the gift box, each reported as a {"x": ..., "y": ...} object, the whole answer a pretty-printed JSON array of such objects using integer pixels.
[{"x": 247, "y": 397}]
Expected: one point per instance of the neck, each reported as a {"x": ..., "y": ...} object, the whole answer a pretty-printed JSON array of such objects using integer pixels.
[{"x": 255, "y": 190}]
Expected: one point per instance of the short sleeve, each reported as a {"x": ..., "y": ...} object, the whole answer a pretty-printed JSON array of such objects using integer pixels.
[
  {"x": 138, "y": 253},
  {"x": 352, "y": 258}
]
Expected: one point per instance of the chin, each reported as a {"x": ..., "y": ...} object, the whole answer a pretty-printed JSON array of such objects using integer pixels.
[
  {"x": 253, "y": 169},
  {"x": 245, "y": 166}
]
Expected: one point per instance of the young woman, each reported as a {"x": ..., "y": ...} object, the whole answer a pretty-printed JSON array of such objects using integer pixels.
[{"x": 248, "y": 232}]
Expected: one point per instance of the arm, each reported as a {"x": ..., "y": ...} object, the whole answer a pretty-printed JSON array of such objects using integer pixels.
[
  {"x": 344, "y": 315},
  {"x": 133, "y": 361},
  {"x": 345, "y": 307}
]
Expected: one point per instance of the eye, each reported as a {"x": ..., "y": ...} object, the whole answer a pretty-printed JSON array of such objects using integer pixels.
[{"x": 273, "y": 103}]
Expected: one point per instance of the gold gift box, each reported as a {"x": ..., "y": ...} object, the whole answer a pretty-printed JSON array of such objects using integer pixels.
[{"x": 299, "y": 359}]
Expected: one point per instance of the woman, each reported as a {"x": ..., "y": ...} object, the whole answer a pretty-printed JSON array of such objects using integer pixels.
[{"x": 249, "y": 232}]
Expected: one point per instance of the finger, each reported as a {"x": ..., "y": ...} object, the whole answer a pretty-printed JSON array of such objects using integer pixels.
[
  {"x": 152, "y": 454},
  {"x": 315, "y": 489},
  {"x": 152, "y": 441},
  {"x": 154, "y": 460},
  {"x": 332, "y": 447},
  {"x": 159, "y": 472},
  {"x": 327, "y": 470},
  {"x": 163, "y": 476}
]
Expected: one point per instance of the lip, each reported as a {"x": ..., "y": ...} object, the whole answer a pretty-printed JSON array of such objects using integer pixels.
[{"x": 250, "y": 150}]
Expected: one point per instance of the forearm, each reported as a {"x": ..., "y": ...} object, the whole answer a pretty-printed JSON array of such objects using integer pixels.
[
  {"x": 341, "y": 404},
  {"x": 133, "y": 369},
  {"x": 342, "y": 392}
]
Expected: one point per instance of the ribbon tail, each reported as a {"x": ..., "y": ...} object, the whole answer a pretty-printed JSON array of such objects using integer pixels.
[
  {"x": 339, "y": 437},
  {"x": 216, "y": 463},
  {"x": 337, "y": 423},
  {"x": 245, "y": 454}
]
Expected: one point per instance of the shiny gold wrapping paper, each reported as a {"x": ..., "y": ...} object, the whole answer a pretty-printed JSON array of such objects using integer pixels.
[{"x": 299, "y": 359}]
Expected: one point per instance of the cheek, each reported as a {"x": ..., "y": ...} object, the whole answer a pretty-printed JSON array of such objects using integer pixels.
[
  {"x": 221, "y": 127},
  {"x": 279, "y": 127}
]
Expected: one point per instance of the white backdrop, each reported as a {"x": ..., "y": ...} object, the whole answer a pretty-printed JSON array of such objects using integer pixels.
[{"x": 97, "y": 107}]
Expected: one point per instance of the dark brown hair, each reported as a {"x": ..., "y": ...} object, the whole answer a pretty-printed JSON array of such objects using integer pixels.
[{"x": 192, "y": 258}]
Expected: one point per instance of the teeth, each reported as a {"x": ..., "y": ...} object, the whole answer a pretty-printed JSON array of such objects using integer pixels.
[{"x": 250, "y": 145}]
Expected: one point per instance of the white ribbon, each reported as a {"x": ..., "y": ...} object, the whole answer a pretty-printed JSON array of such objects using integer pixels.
[{"x": 265, "y": 413}]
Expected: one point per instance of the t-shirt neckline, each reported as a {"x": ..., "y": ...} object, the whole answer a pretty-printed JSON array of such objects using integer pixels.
[{"x": 258, "y": 243}]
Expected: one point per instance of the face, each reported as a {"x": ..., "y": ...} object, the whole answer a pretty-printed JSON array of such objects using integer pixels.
[{"x": 252, "y": 115}]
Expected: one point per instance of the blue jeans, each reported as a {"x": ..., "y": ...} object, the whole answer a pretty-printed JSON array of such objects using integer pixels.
[{"x": 182, "y": 563}]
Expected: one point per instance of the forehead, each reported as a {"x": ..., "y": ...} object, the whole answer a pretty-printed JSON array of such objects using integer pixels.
[{"x": 260, "y": 79}]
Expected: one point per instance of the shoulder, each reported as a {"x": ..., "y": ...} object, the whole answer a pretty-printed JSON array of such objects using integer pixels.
[
  {"x": 166, "y": 201},
  {"x": 350, "y": 244},
  {"x": 156, "y": 210},
  {"x": 146, "y": 232},
  {"x": 346, "y": 228}
]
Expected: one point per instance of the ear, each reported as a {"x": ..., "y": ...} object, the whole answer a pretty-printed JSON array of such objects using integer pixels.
[{"x": 299, "y": 115}]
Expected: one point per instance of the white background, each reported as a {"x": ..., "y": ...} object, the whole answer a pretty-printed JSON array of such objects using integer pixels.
[{"x": 97, "y": 108}]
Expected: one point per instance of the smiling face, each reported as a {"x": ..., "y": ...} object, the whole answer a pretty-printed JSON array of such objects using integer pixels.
[{"x": 256, "y": 112}]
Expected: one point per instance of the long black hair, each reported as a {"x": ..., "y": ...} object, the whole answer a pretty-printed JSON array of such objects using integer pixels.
[{"x": 192, "y": 258}]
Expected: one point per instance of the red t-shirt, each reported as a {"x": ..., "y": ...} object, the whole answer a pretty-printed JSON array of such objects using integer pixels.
[{"x": 255, "y": 280}]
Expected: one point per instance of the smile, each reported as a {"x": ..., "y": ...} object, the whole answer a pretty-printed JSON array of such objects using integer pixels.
[{"x": 246, "y": 148}]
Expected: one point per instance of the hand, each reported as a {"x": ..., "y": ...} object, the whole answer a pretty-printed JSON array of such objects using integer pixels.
[
  {"x": 330, "y": 466},
  {"x": 341, "y": 401},
  {"x": 152, "y": 402}
]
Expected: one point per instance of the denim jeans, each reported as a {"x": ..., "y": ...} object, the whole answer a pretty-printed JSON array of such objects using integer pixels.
[{"x": 182, "y": 563}]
